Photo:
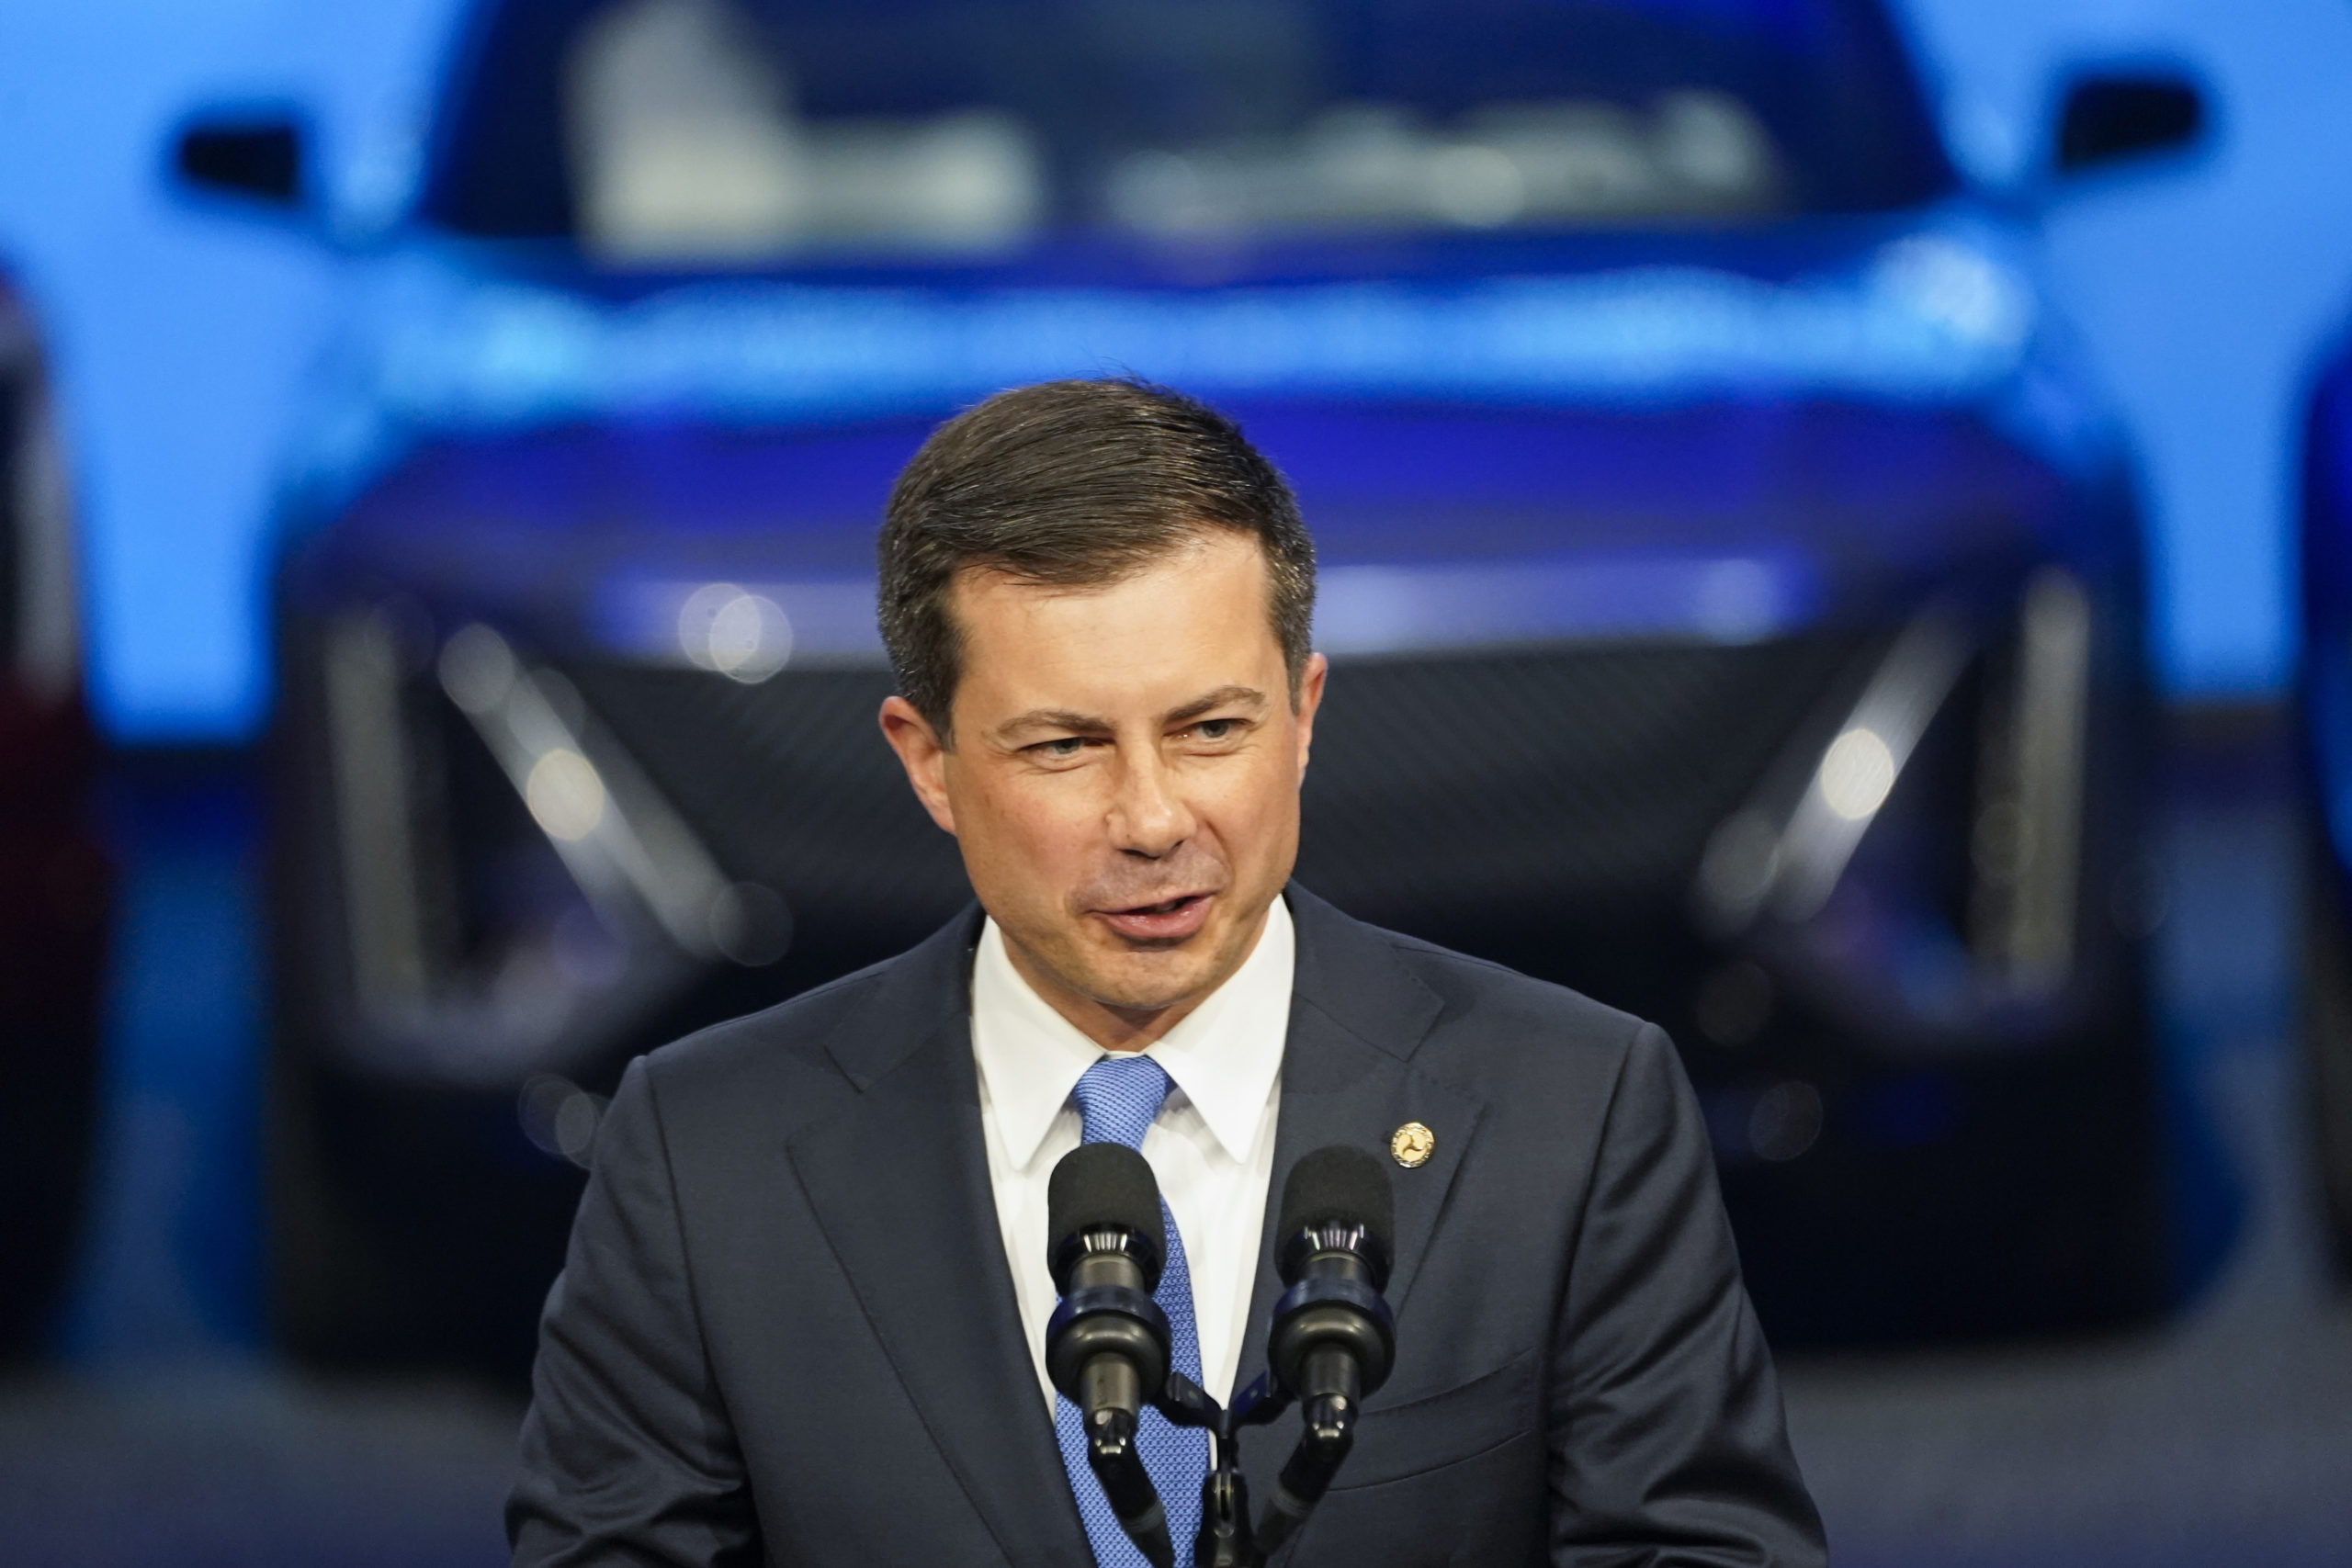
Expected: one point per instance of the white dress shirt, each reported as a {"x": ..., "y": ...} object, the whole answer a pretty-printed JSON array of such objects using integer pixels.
[{"x": 1212, "y": 1147}]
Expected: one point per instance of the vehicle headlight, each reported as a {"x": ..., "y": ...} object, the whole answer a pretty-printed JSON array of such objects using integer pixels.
[
  {"x": 1916, "y": 863},
  {"x": 515, "y": 893}
]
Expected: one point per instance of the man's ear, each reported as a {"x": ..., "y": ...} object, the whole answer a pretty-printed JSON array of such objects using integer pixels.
[
  {"x": 921, "y": 754},
  {"x": 1310, "y": 697}
]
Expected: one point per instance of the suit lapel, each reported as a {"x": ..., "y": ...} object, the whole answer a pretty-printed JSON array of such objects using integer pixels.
[
  {"x": 1356, "y": 1019},
  {"x": 900, "y": 1187}
]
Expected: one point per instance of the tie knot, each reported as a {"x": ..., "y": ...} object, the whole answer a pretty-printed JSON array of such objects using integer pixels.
[{"x": 1120, "y": 1099}]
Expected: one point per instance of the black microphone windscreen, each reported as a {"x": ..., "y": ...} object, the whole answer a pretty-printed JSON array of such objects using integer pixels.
[
  {"x": 1097, "y": 1186},
  {"x": 1343, "y": 1184}
]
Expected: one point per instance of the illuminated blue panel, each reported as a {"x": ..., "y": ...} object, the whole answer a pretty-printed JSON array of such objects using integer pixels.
[
  {"x": 1394, "y": 609},
  {"x": 1927, "y": 317},
  {"x": 1359, "y": 609}
]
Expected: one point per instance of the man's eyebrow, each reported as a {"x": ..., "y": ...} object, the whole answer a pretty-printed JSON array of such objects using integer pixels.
[
  {"x": 1248, "y": 695},
  {"x": 1093, "y": 724},
  {"x": 1054, "y": 718}
]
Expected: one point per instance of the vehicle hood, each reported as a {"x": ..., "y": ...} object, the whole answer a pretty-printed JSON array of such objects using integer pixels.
[{"x": 1678, "y": 447}]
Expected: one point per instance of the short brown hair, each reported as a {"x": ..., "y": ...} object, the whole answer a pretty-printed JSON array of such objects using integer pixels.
[{"x": 1078, "y": 484}]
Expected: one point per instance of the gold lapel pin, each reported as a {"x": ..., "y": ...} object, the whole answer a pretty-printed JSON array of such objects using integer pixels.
[{"x": 1411, "y": 1145}]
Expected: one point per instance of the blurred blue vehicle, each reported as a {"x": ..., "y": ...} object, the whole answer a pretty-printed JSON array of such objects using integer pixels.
[
  {"x": 1733, "y": 590},
  {"x": 2323, "y": 705}
]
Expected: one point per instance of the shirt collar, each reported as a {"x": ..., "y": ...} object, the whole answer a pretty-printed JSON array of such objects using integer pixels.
[{"x": 1225, "y": 1055}]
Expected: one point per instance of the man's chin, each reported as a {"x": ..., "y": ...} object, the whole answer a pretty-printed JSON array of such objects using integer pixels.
[
  {"x": 1136, "y": 978},
  {"x": 1140, "y": 995},
  {"x": 1146, "y": 980}
]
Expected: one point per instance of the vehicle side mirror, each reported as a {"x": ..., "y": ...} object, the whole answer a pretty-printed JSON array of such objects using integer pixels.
[
  {"x": 2112, "y": 119},
  {"x": 258, "y": 156}
]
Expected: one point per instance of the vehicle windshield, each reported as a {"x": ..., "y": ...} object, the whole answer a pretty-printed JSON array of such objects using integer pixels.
[{"x": 670, "y": 132}]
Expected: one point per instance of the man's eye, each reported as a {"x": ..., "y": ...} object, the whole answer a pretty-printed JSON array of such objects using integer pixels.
[
  {"x": 1217, "y": 728},
  {"x": 1065, "y": 746}
]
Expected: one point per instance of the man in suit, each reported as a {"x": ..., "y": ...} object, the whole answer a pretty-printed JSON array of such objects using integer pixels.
[{"x": 802, "y": 1317}]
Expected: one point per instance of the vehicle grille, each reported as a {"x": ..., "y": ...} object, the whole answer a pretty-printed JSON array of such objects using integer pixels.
[
  {"x": 1588, "y": 775},
  {"x": 1442, "y": 786},
  {"x": 790, "y": 785}
]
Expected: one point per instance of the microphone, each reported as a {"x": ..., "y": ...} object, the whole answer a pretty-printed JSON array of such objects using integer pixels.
[
  {"x": 1107, "y": 1343},
  {"x": 1333, "y": 1341}
]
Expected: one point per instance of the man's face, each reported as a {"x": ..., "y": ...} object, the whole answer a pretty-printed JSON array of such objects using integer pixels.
[{"x": 1124, "y": 779}]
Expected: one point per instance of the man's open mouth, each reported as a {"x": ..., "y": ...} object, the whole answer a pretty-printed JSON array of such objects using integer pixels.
[
  {"x": 1166, "y": 920},
  {"x": 1167, "y": 906}
]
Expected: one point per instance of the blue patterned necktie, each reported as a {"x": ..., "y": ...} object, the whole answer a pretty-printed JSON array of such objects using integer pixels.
[{"x": 1120, "y": 1098}]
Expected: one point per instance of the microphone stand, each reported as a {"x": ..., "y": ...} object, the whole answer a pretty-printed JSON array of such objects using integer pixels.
[
  {"x": 1117, "y": 1463},
  {"x": 1227, "y": 1538}
]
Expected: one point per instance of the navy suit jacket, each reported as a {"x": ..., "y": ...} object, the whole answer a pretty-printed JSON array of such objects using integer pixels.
[{"x": 786, "y": 1330}]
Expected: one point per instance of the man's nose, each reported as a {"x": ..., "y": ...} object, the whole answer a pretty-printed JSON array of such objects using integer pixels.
[{"x": 1149, "y": 816}]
